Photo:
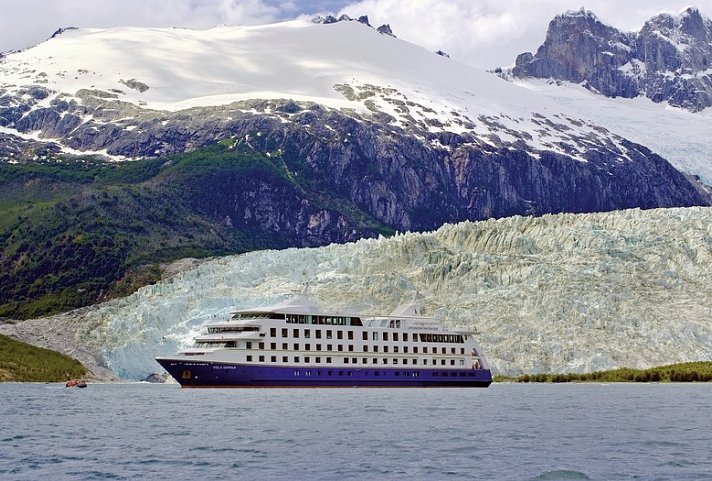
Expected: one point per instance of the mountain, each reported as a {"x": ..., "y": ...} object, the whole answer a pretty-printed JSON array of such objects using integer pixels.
[
  {"x": 668, "y": 60},
  {"x": 354, "y": 96},
  {"x": 557, "y": 293},
  {"x": 631, "y": 82},
  {"x": 132, "y": 146},
  {"x": 74, "y": 234}
]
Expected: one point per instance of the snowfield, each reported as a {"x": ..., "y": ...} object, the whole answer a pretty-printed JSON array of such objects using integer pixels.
[
  {"x": 678, "y": 135},
  {"x": 345, "y": 65},
  {"x": 297, "y": 59},
  {"x": 558, "y": 293}
]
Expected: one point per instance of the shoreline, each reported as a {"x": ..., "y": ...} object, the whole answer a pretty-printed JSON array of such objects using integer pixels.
[{"x": 685, "y": 372}]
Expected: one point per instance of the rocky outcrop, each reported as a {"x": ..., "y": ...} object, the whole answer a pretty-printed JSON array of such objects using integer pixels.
[
  {"x": 156, "y": 378},
  {"x": 329, "y": 19},
  {"x": 135, "y": 84},
  {"x": 385, "y": 29},
  {"x": 60, "y": 31},
  {"x": 382, "y": 169},
  {"x": 18, "y": 149},
  {"x": 668, "y": 60}
]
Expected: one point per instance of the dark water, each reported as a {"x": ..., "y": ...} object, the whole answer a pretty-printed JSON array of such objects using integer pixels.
[{"x": 506, "y": 432}]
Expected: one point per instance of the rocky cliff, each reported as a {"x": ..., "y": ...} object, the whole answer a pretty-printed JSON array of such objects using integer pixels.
[
  {"x": 668, "y": 60},
  {"x": 406, "y": 177}
]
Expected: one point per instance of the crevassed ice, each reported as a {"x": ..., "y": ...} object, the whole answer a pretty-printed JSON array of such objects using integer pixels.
[{"x": 558, "y": 293}]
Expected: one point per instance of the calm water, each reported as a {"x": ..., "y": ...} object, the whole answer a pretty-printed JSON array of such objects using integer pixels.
[{"x": 506, "y": 432}]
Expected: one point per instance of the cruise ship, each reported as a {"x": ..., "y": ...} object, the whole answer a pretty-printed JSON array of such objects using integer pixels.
[{"x": 295, "y": 344}]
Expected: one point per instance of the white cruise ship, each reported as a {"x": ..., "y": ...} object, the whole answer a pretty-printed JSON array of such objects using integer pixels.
[{"x": 294, "y": 343}]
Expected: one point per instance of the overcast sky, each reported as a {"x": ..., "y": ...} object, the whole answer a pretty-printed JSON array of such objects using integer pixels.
[{"x": 484, "y": 33}]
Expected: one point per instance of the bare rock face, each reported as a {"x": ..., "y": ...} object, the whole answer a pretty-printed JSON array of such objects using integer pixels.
[
  {"x": 378, "y": 168},
  {"x": 667, "y": 60},
  {"x": 386, "y": 30}
]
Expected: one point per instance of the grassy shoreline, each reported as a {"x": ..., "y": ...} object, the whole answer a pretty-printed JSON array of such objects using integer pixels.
[
  {"x": 682, "y": 372},
  {"x": 21, "y": 362}
]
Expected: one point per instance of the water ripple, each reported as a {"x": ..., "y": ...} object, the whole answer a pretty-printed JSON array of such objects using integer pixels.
[
  {"x": 517, "y": 432},
  {"x": 561, "y": 475}
]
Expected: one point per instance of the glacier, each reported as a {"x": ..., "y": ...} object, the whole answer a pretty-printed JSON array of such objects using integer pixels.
[
  {"x": 680, "y": 136},
  {"x": 557, "y": 293}
]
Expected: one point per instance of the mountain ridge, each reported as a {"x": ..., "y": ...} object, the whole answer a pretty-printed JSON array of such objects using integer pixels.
[{"x": 668, "y": 60}]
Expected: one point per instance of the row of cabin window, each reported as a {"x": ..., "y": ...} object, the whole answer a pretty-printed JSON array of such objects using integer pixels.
[
  {"x": 297, "y": 372},
  {"x": 364, "y": 360},
  {"x": 340, "y": 348},
  {"x": 218, "y": 329},
  {"x": 450, "y": 338},
  {"x": 257, "y": 315},
  {"x": 329, "y": 320}
]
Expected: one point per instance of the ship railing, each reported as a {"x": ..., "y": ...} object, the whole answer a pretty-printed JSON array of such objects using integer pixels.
[
  {"x": 228, "y": 336},
  {"x": 466, "y": 329},
  {"x": 408, "y": 322}
]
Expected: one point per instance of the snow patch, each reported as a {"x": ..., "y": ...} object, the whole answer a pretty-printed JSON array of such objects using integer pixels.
[{"x": 680, "y": 136}]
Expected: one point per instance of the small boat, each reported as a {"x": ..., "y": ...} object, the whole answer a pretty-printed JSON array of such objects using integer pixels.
[{"x": 76, "y": 383}]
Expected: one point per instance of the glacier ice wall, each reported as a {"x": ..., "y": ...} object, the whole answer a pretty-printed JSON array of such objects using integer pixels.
[{"x": 558, "y": 293}]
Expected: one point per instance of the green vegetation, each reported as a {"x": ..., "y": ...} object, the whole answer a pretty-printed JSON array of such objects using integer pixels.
[
  {"x": 22, "y": 362},
  {"x": 685, "y": 372},
  {"x": 77, "y": 231}
]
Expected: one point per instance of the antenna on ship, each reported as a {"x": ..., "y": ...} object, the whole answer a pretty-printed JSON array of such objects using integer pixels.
[
  {"x": 417, "y": 307},
  {"x": 410, "y": 308},
  {"x": 305, "y": 284}
]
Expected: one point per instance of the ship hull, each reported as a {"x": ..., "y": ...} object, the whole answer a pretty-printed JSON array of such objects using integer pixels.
[{"x": 206, "y": 374}]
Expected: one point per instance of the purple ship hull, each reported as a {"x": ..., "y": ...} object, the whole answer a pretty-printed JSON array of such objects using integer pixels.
[{"x": 196, "y": 374}]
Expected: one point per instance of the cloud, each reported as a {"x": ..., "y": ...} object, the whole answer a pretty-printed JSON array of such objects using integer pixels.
[
  {"x": 485, "y": 33},
  {"x": 244, "y": 12},
  {"x": 27, "y": 22}
]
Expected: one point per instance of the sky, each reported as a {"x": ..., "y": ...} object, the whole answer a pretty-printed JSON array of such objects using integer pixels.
[{"x": 483, "y": 33}]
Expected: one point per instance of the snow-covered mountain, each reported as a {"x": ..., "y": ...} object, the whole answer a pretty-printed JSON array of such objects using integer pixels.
[
  {"x": 71, "y": 86},
  {"x": 558, "y": 293},
  {"x": 669, "y": 59},
  {"x": 652, "y": 80},
  {"x": 341, "y": 94}
]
